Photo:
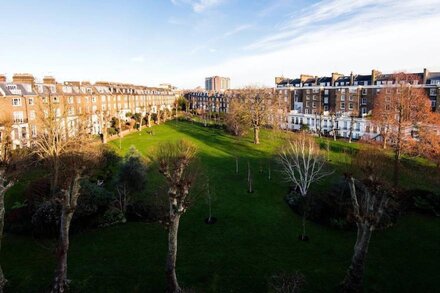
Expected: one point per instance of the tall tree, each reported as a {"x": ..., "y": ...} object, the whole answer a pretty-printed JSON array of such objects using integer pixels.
[
  {"x": 237, "y": 119},
  {"x": 369, "y": 197},
  {"x": 302, "y": 164},
  {"x": 428, "y": 140},
  {"x": 80, "y": 157},
  {"x": 6, "y": 127},
  {"x": 175, "y": 164},
  {"x": 260, "y": 108},
  {"x": 5, "y": 185},
  {"x": 400, "y": 109}
]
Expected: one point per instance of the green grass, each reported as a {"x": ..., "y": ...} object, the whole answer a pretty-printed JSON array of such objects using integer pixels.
[{"x": 255, "y": 237}]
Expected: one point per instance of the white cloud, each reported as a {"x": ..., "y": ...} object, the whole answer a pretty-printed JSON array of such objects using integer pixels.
[
  {"x": 237, "y": 30},
  {"x": 388, "y": 35},
  {"x": 138, "y": 59},
  {"x": 199, "y": 6}
]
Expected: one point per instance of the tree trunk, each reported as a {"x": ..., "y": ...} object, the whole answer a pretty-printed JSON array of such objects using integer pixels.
[
  {"x": 60, "y": 282},
  {"x": 353, "y": 279},
  {"x": 351, "y": 130},
  {"x": 396, "y": 172},
  {"x": 2, "y": 221},
  {"x": 256, "y": 135},
  {"x": 172, "y": 284},
  {"x": 56, "y": 171}
]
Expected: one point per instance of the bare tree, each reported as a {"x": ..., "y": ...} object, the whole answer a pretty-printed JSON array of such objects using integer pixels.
[
  {"x": 302, "y": 164},
  {"x": 6, "y": 127},
  {"x": 398, "y": 110},
  {"x": 80, "y": 156},
  {"x": 175, "y": 164},
  {"x": 237, "y": 119},
  {"x": 260, "y": 108},
  {"x": 5, "y": 185},
  {"x": 369, "y": 198}
]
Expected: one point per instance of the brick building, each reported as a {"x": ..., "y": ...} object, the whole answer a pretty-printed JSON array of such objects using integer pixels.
[
  {"x": 337, "y": 101},
  {"x": 24, "y": 100}
]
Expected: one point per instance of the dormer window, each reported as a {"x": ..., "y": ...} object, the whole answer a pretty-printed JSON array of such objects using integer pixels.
[{"x": 16, "y": 102}]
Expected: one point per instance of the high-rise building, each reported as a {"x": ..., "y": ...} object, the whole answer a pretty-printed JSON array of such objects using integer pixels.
[{"x": 217, "y": 83}]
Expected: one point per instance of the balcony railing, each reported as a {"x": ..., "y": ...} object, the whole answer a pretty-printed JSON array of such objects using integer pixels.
[{"x": 20, "y": 120}]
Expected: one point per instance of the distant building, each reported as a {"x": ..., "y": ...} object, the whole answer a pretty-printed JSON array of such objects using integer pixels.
[
  {"x": 217, "y": 83},
  {"x": 318, "y": 102}
]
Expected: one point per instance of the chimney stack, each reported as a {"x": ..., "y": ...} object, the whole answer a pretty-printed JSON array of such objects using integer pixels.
[
  {"x": 49, "y": 80},
  {"x": 425, "y": 75},
  {"x": 335, "y": 76},
  {"x": 25, "y": 78},
  {"x": 2, "y": 78},
  {"x": 351, "y": 78},
  {"x": 374, "y": 74}
]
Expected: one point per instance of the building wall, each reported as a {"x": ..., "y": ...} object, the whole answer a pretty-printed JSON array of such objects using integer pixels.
[{"x": 26, "y": 109}]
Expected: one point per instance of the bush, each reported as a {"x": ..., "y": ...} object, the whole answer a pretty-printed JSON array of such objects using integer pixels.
[
  {"x": 334, "y": 207},
  {"x": 46, "y": 218},
  {"x": 112, "y": 131},
  {"x": 287, "y": 282},
  {"x": 425, "y": 201},
  {"x": 111, "y": 217}
]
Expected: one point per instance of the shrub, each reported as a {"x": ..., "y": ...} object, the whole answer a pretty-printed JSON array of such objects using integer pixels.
[
  {"x": 46, "y": 218},
  {"x": 425, "y": 201},
  {"x": 111, "y": 217},
  {"x": 287, "y": 282}
]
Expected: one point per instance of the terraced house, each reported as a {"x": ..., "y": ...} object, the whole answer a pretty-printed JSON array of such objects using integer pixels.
[
  {"x": 343, "y": 103},
  {"x": 24, "y": 101}
]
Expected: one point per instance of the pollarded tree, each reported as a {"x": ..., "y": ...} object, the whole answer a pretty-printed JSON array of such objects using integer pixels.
[
  {"x": 369, "y": 197},
  {"x": 79, "y": 157},
  {"x": 302, "y": 164},
  {"x": 6, "y": 124},
  {"x": 176, "y": 160},
  {"x": 399, "y": 110},
  {"x": 5, "y": 185}
]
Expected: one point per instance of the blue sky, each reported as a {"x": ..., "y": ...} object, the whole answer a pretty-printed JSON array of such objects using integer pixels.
[{"x": 182, "y": 41}]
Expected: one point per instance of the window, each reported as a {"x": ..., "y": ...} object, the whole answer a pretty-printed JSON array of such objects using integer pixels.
[
  {"x": 16, "y": 102},
  {"x": 34, "y": 130},
  {"x": 307, "y": 104},
  {"x": 342, "y": 97},
  {"x": 325, "y": 92},
  {"x": 350, "y": 106},
  {"x": 325, "y": 108},
  {"x": 93, "y": 99},
  {"x": 326, "y": 100},
  {"x": 350, "y": 98},
  {"x": 306, "y": 111},
  {"x": 32, "y": 115},
  {"x": 31, "y": 101},
  {"x": 364, "y": 111},
  {"x": 314, "y": 105},
  {"x": 364, "y": 101},
  {"x": 56, "y": 100},
  {"x": 342, "y": 105},
  {"x": 18, "y": 117},
  {"x": 432, "y": 92},
  {"x": 314, "y": 97},
  {"x": 70, "y": 100}
]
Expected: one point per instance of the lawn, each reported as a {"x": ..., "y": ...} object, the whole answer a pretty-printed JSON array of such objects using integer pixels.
[{"x": 255, "y": 236}]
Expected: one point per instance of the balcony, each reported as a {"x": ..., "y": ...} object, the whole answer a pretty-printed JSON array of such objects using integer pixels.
[{"x": 20, "y": 120}]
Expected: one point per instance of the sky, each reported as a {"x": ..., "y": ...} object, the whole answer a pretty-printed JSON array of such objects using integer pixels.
[{"x": 181, "y": 42}]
